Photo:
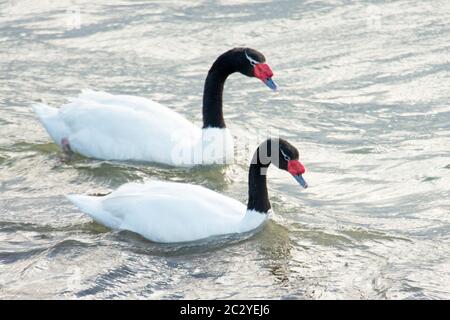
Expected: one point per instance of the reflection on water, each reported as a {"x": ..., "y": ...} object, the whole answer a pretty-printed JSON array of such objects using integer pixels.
[{"x": 361, "y": 94}]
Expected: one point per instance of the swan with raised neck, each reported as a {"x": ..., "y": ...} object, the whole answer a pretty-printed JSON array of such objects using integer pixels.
[
  {"x": 179, "y": 212},
  {"x": 122, "y": 127}
]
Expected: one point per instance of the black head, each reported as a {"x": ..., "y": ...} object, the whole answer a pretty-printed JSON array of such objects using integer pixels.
[
  {"x": 283, "y": 155},
  {"x": 252, "y": 63},
  {"x": 248, "y": 59}
]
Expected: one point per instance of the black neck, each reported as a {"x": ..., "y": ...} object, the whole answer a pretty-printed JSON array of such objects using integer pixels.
[
  {"x": 258, "y": 197},
  {"x": 212, "y": 94}
]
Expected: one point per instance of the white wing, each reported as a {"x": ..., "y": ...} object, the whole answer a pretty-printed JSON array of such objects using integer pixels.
[
  {"x": 169, "y": 212},
  {"x": 118, "y": 127}
]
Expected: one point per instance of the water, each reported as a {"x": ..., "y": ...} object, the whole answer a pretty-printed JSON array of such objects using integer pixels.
[{"x": 364, "y": 95}]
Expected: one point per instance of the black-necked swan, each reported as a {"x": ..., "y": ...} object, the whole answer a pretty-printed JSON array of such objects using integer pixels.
[
  {"x": 122, "y": 127},
  {"x": 178, "y": 212}
]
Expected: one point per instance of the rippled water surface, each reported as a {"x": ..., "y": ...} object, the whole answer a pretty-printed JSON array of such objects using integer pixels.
[{"x": 364, "y": 94}]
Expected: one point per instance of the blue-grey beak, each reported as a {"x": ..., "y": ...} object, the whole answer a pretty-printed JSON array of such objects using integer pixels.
[
  {"x": 301, "y": 181},
  {"x": 271, "y": 84}
]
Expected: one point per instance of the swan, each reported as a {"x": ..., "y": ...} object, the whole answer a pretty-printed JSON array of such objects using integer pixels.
[
  {"x": 170, "y": 212},
  {"x": 122, "y": 127}
]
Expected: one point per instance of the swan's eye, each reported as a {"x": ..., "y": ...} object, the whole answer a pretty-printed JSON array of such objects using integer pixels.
[
  {"x": 285, "y": 156},
  {"x": 252, "y": 61}
]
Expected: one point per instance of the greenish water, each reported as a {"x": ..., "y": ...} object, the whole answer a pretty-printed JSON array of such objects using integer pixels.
[{"x": 363, "y": 94}]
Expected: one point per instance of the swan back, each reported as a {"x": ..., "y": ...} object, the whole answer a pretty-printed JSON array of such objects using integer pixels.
[
  {"x": 121, "y": 127},
  {"x": 169, "y": 212}
]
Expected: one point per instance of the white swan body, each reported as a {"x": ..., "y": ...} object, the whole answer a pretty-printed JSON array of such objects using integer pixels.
[
  {"x": 170, "y": 212},
  {"x": 179, "y": 212},
  {"x": 122, "y": 127}
]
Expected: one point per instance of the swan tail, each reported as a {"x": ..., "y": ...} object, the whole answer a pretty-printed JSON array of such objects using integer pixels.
[
  {"x": 92, "y": 206},
  {"x": 52, "y": 121}
]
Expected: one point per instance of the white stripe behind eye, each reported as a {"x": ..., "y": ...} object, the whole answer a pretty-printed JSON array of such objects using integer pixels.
[
  {"x": 253, "y": 62},
  {"x": 286, "y": 157}
]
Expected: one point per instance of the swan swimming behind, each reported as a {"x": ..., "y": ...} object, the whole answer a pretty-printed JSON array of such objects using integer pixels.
[
  {"x": 122, "y": 127},
  {"x": 178, "y": 212}
]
